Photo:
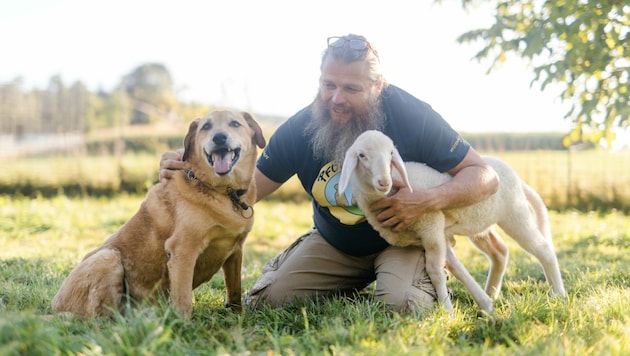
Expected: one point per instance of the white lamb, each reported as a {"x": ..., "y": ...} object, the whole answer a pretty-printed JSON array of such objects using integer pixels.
[{"x": 367, "y": 168}]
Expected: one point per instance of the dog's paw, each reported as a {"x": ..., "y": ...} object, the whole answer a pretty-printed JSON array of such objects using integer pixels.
[{"x": 238, "y": 308}]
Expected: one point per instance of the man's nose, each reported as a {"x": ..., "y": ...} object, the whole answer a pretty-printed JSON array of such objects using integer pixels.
[{"x": 338, "y": 97}]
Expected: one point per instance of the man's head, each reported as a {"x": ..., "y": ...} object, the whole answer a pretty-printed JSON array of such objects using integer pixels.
[
  {"x": 348, "y": 100},
  {"x": 350, "y": 78}
]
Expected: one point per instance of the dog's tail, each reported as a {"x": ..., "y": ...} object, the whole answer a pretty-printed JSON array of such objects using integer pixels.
[{"x": 539, "y": 208}]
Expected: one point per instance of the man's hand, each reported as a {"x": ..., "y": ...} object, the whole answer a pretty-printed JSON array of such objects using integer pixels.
[
  {"x": 402, "y": 209},
  {"x": 170, "y": 163}
]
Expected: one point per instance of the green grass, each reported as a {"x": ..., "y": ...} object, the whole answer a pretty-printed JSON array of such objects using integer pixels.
[{"x": 43, "y": 239}]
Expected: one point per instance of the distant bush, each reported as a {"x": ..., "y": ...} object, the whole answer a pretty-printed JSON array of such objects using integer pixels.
[{"x": 102, "y": 175}]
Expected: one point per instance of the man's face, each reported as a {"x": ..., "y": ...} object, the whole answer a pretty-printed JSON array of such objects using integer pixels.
[
  {"x": 345, "y": 89},
  {"x": 346, "y": 105}
]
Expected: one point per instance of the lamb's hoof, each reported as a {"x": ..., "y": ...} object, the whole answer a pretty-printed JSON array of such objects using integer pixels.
[{"x": 489, "y": 315}]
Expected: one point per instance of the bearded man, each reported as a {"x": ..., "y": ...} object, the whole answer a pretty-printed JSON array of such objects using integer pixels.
[{"x": 342, "y": 254}]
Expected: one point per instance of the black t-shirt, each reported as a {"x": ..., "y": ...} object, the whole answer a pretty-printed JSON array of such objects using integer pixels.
[{"x": 419, "y": 133}]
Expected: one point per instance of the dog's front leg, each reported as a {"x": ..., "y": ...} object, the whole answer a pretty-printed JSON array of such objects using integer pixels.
[
  {"x": 181, "y": 266},
  {"x": 232, "y": 276}
]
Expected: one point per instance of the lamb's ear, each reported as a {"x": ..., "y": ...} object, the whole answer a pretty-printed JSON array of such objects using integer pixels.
[
  {"x": 349, "y": 164},
  {"x": 189, "y": 140},
  {"x": 400, "y": 166}
]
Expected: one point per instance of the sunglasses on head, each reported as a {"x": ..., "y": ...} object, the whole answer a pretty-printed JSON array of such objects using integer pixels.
[{"x": 356, "y": 44}]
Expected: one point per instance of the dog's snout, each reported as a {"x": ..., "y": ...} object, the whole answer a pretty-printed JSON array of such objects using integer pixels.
[{"x": 220, "y": 138}]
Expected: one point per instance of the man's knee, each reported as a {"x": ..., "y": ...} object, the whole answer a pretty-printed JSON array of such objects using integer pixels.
[
  {"x": 417, "y": 296},
  {"x": 402, "y": 281},
  {"x": 272, "y": 291}
]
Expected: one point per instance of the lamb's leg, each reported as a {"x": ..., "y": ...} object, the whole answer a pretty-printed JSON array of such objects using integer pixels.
[
  {"x": 493, "y": 246},
  {"x": 522, "y": 228},
  {"x": 460, "y": 272},
  {"x": 435, "y": 253}
]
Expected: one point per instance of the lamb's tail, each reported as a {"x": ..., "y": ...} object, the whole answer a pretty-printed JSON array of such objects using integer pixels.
[{"x": 540, "y": 210}]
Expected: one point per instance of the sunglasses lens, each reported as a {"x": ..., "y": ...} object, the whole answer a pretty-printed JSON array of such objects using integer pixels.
[
  {"x": 336, "y": 42},
  {"x": 357, "y": 45}
]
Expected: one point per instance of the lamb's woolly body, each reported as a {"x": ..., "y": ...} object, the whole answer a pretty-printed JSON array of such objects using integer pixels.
[{"x": 367, "y": 168}]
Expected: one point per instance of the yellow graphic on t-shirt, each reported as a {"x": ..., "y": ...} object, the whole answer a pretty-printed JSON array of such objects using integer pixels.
[{"x": 340, "y": 204}]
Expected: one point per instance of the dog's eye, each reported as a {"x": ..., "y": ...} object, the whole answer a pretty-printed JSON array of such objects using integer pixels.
[
  {"x": 235, "y": 124},
  {"x": 206, "y": 126}
]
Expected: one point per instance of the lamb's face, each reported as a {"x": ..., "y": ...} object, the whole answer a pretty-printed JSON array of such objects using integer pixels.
[
  {"x": 368, "y": 163},
  {"x": 376, "y": 166}
]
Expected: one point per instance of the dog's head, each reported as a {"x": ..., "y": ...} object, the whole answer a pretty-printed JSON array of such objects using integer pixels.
[{"x": 221, "y": 141}]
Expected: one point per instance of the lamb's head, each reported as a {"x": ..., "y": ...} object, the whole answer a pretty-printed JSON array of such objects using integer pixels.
[{"x": 369, "y": 163}]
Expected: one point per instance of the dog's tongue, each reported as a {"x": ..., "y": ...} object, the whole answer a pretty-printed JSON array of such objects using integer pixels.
[{"x": 222, "y": 162}]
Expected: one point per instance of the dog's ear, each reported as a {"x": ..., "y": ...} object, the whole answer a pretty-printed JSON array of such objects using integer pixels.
[
  {"x": 189, "y": 140},
  {"x": 258, "y": 138}
]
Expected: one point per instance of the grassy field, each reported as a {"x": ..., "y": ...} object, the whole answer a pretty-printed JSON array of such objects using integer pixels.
[{"x": 43, "y": 239}]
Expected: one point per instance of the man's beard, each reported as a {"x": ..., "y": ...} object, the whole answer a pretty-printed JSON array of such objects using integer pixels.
[{"x": 331, "y": 140}]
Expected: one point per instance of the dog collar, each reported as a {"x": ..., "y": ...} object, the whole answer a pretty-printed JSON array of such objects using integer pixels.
[
  {"x": 190, "y": 174},
  {"x": 234, "y": 195}
]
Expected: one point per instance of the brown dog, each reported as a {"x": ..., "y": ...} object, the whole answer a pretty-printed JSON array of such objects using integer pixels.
[{"x": 185, "y": 230}]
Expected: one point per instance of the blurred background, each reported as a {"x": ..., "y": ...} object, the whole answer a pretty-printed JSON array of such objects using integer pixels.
[{"x": 91, "y": 94}]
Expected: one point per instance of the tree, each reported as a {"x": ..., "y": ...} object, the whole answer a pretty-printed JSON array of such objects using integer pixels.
[
  {"x": 580, "y": 44},
  {"x": 150, "y": 87},
  {"x": 12, "y": 107},
  {"x": 52, "y": 105}
]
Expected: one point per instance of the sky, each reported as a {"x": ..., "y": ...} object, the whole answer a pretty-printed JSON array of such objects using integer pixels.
[{"x": 263, "y": 56}]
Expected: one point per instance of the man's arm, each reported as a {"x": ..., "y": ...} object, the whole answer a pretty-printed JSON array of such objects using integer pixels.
[
  {"x": 473, "y": 180},
  {"x": 264, "y": 185}
]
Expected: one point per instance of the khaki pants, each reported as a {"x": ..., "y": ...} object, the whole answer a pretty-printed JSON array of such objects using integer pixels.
[{"x": 311, "y": 267}]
